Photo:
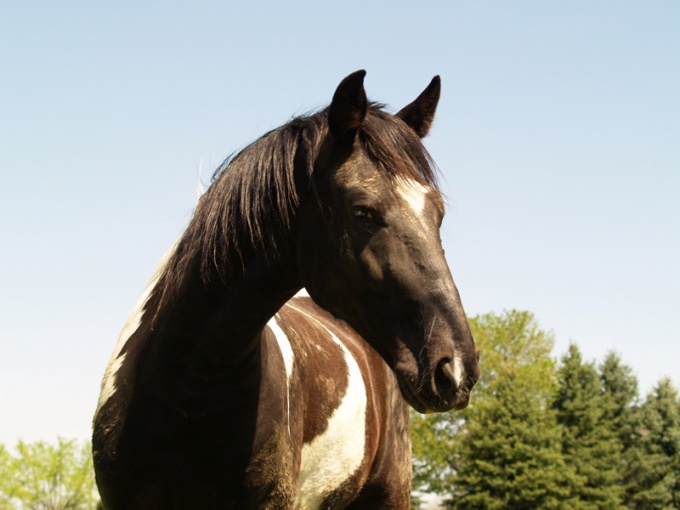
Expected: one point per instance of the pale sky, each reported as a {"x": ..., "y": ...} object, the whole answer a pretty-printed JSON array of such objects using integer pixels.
[{"x": 558, "y": 137}]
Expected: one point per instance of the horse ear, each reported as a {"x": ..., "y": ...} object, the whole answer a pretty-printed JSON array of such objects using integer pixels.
[
  {"x": 420, "y": 113},
  {"x": 348, "y": 108}
]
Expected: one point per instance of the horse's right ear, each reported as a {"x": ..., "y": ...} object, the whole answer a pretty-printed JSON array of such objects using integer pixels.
[
  {"x": 420, "y": 113},
  {"x": 348, "y": 108}
]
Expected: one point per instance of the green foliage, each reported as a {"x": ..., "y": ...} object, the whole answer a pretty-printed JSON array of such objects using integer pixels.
[
  {"x": 655, "y": 459},
  {"x": 620, "y": 411},
  {"x": 5, "y": 477},
  {"x": 589, "y": 443},
  {"x": 620, "y": 395},
  {"x": 539, "y": 437},
  {"x": 513, "y": 343},
  {"x": 504, "y": 450},
  {"x": 510, "y": 453},
  {"x": 435, "y": 447},
  {"x": 43, "y": 476}
]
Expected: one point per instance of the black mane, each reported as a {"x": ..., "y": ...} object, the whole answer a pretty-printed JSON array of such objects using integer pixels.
[{"x": 254, "y": 193}]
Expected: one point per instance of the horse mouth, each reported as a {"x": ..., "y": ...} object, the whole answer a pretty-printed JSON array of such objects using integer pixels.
[
  {"x": 412, "y": 397},
  {"x": 425, "y": 402}
]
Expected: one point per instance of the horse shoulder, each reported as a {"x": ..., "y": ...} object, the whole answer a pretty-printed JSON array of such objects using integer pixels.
[{"x": 347, "y": 404}]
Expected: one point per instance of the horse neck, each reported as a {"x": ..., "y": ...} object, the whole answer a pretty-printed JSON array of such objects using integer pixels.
[
  {"x": 234, "y": 267},
  {"x": 215, "y": 321}
]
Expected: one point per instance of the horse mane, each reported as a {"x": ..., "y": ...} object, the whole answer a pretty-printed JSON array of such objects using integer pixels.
[{"x": 254, "y": 193}]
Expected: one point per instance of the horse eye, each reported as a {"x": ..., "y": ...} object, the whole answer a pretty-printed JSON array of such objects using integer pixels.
[{"x": 364, "y": 214}]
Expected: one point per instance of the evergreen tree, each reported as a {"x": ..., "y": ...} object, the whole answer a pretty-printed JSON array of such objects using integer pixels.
[
  {"x": 655, "y": 463},
  {"x": 620, "y": 395},
  {"x": 589, "y": 444},
  {"x": 510, "y": 453},
  {"x": 504, "y": 450},
  {"x": 537, "y": 437},
  {"x": 620, "y": 411}
]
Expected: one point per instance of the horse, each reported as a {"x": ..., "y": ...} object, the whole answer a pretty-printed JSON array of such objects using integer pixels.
[{"x": 225, "y": 390}]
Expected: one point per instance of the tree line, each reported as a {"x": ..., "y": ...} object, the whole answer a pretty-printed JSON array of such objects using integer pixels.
[
  {"x": 539, "y": 433},
  {"x": 543, "y": 434},
  {"x": 47, "y": 476}
]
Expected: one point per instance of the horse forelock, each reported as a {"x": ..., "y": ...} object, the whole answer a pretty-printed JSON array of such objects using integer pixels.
[{"x": 396, "y": 149}]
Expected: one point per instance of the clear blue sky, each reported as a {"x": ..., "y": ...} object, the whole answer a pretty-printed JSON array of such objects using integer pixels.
[{"x": 558, "y": 136}]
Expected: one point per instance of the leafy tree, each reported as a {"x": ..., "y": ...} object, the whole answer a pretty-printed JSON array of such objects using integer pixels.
[
  {"x": 590, "y": 445},
  {"x": 655, "y": 463},
  {"x": 48, "y": 477},
  {"x": 435, "y": 445},
  {"x": 5, "y": 474},
  {"x": 503, "y": 451}
]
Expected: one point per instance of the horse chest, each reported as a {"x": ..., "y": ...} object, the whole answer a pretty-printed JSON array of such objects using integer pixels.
[{"x": 334, "y": 410}]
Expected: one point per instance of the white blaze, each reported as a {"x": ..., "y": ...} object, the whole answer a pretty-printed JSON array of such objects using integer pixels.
[{"x": 413, "y": 193}]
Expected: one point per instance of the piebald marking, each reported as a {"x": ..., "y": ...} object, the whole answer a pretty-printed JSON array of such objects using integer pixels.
[
  {"x": 302, "y": 293},
  {"x": 288, "y": 358},
  {"x": 334, "y": 456},
  {"x": 108, "y": 387}
]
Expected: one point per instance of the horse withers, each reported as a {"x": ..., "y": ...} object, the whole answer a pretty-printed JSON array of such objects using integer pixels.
[{"x": 225, "y": 391}]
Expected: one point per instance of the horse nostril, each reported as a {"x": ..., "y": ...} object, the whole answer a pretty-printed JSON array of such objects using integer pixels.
[{"x": 446, "y": 380}]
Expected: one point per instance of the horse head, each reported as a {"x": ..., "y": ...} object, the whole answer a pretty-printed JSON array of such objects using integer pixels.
[{"x": 369, "y": 249}]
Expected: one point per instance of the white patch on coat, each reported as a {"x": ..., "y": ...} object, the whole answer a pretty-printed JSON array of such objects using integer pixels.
[
  {"x": 108, "y": 387},
  {"x": 284, "y": 345},
  {"x": 288, "y": 357},
  {"x": 333, "y": 457}
]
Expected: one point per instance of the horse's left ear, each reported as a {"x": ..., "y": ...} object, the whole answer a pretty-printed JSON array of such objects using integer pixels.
[
  {"x": 348, "y": 108},
  {"x": 420, "y": 113}
]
